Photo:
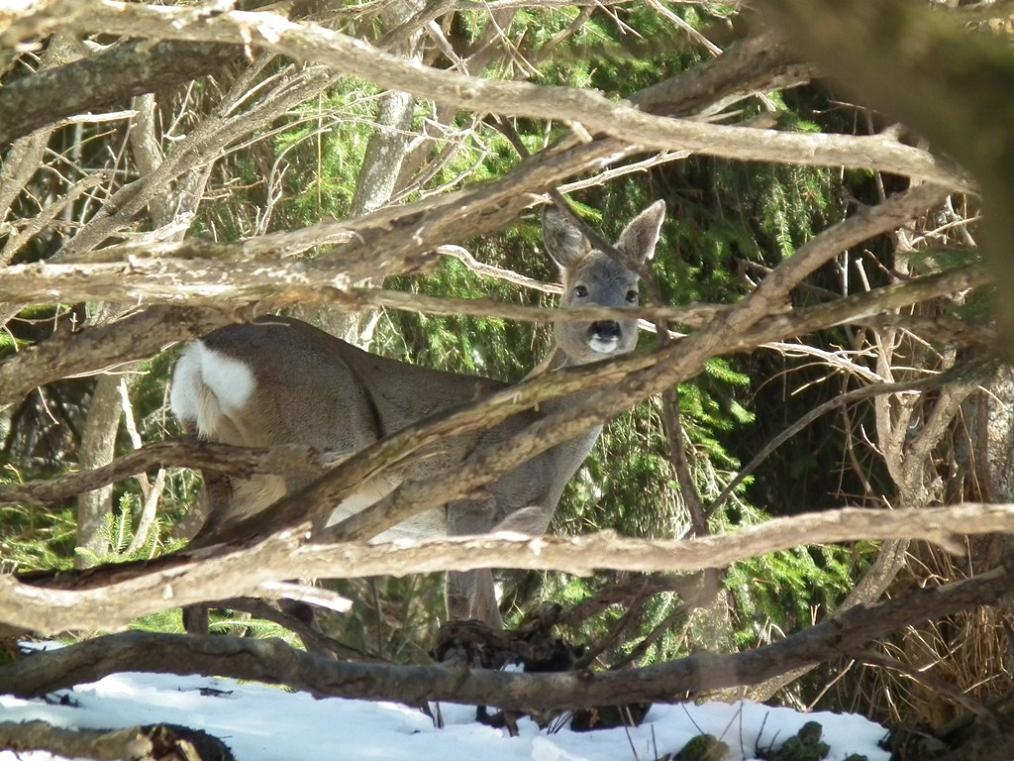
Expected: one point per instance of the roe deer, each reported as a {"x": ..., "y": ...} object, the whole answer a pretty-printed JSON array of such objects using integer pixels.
[{"x": 281, "y": 381}]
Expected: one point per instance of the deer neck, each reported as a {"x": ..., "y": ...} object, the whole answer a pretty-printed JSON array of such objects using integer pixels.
[{"x": 557, "y": 360}]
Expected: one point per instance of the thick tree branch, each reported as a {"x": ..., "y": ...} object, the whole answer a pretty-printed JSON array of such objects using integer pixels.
[
  {"x": 206, "y": 455},
  {"x": 309, "y": 42},
  {"x": 105, "y": 79},
  {"x": 273, "y": 661},
  {"x": 158, "y": 742},
  {"x": 115, "y": 595},
  {"x": 212, "y": 282}
]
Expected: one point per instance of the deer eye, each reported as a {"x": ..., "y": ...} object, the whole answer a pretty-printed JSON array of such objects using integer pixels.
[
  {"x": 580, "y": 291},
  {"x": 632, "y": 297}
]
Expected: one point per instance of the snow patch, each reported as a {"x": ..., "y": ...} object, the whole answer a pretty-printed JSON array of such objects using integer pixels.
[{"x": 263, "y": 723}]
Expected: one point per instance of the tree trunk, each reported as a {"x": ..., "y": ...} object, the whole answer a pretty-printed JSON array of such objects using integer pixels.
[
  {"x": 378, "y": 177},
  {"x": 97, "y": 448}
]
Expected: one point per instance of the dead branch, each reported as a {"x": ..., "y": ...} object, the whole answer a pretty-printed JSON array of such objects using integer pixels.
[
  {"x": 159, "y": 279},
  {"x": 114, "y": 595},
  {"x": 865, "y": 392},
  {"x": 847, "y": 309},
  {"x": 92, "y": 350},
  {"x": 210, "y": 282},
  {"x": 164, "y": 742},
  {"x": 273, "y": 661},
  {"x": 309, "y": 42},
  {"x": 860, "y": 45},
  {"x": 482, "y": 269},
  {"x": 104, "y": 79},
  {"x": 25, "y": 157},
  {"x": 891, "y": 214},
  {"x": 27, "y": 229},
  {"x": 211, "y": 456},
  {"x": 202, "y": 146}
]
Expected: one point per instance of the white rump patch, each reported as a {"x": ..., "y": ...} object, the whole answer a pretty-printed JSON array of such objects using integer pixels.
[
  {"x": 184, "y": 395},
  {"x": 206, "y": 382}
]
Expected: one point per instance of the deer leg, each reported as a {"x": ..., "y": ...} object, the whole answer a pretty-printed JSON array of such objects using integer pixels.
[
  {"x": 470, "y": 594},
  {"x": 195, "y": 619},
  {"x": 215, "y": 495},
  {"x": 532, "y": 520}
]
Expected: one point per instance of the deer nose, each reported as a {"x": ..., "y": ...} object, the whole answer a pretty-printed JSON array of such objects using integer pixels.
[{"x": 605, "y": 330}]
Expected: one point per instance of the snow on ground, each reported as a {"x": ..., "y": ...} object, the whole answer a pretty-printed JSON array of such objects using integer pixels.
[{"x": 263, "y": 723}]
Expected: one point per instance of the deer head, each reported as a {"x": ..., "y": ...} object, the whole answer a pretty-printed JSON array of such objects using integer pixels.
[{"x": 592, "y": 278}]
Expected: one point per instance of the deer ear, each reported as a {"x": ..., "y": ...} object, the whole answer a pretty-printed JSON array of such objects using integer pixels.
[
  {"x": 640, "y": 236},
  {"x": 564, "y": 242}
]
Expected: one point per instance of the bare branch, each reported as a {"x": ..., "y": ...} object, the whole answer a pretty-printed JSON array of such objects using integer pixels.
[
  {"x": 207, "y": 455},
  {"x": 109, "y": 77},
  {"x": 896, "y": 211},
  {"x": 202, "y": 146},
  {"x": 31, "y": 227},
  {"x": 156, "y": 741},
  {"x": 92, "y": 350},
  {"x": 865, "y": 392},
  {"x": 482, "y": 269},
  {"x": 271, "y": 285},
  {"x": 115, "y": 595},
  {"x": 25, "y": 156},
  {"x": 272, "y": 661},
  {"x": 149, "y": 510},
  {"x": 308, "y": 42}
]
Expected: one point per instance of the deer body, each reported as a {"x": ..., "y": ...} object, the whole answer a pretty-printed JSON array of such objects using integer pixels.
[{"x": 281, "y": 381}]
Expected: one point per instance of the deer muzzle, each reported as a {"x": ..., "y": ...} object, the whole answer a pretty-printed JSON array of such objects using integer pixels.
[{"x": 604, "y": 336}]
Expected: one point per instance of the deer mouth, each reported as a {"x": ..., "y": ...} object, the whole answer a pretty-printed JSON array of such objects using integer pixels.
[
  {"x": 604, "y": 336},
  {"x": 603, "y": 345}
]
